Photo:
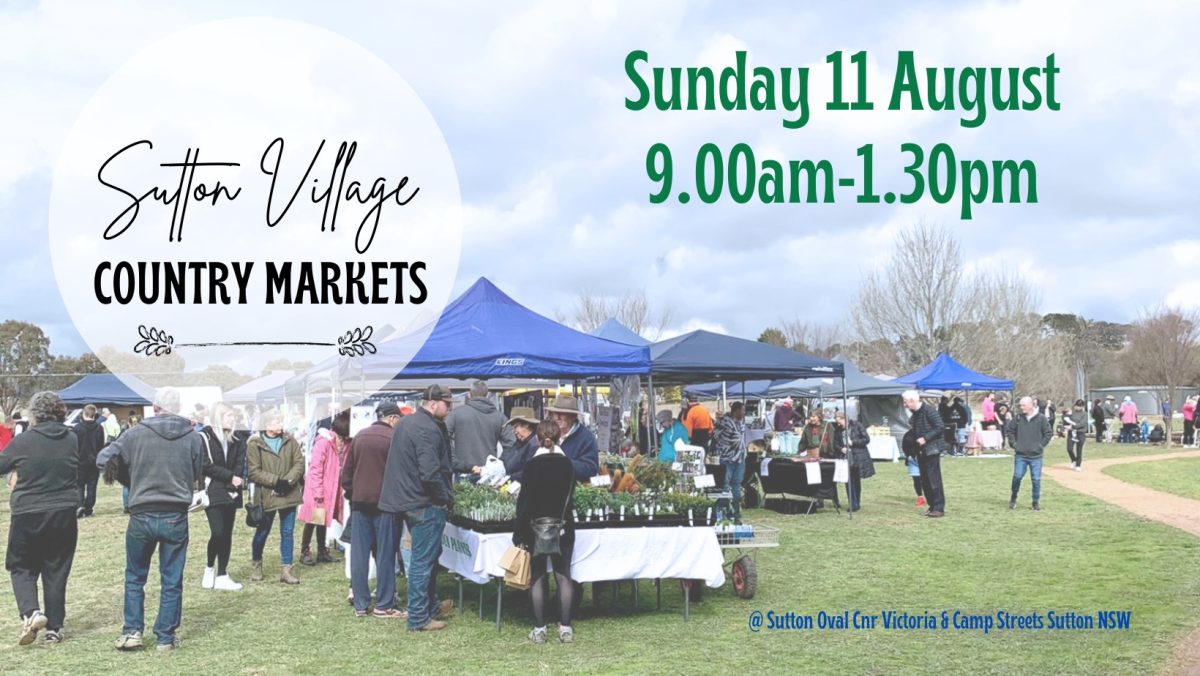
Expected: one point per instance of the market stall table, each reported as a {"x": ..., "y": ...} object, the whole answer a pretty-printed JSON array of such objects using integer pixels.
[
  {"x": 990, "y": 439},
  {"x": 884, "y": 448},
  {"x": 787, "y": 479},
  {"x": 601, "y": 555}
]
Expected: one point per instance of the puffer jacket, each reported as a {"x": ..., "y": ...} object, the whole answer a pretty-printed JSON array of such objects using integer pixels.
[
  {"x": 927, "y": 424},
  {"x": 266, "y": 468}
]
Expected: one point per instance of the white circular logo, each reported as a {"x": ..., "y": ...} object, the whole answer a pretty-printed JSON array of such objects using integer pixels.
[{"x": 250, "y": 190}]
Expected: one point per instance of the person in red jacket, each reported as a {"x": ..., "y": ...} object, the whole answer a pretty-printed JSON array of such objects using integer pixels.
[{"x": 1189, "y": 422}]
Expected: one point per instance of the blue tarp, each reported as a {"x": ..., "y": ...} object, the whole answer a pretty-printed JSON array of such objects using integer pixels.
[
  {"x": 105, "y": 388},
  {"x": 485, "y": 334},
  {"x": 943, "y": 373},
  {"x": 703, "y": 355},
  {"x": 615, "y": 331}
]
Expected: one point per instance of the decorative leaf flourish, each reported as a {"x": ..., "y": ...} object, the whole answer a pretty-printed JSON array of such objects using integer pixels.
[
  {"x": 356, "y": 342},
  {"x": 154, "y": 342}
]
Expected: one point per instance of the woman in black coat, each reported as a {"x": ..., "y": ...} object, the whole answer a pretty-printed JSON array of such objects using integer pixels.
[
  {"x": 1098, "y": 419},
  {"x": 547, "y": 491},
  {"x": 861, "y": 466},
  {"x": 224, "y": 468}
]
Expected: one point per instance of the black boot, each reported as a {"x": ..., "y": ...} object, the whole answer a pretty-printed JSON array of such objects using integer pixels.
[{"x": 323, "y": 556}]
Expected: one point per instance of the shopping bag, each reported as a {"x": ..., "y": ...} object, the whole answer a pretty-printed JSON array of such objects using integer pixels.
[
  {"x": 516, "y": 565},
  {"x": 317, "y": 516}
]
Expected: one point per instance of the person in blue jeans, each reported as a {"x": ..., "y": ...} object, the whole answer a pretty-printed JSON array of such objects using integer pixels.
[
  {"x": 417, "y": 482},
  {"x": 1028, "y": 433},
  {"x": 729, "y": 442},
  {"x": 161, "y": 461},
  {"x": 275, "y": 463}
]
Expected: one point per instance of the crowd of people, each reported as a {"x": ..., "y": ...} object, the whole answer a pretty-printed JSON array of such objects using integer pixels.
[{"x": 392, "y": 478}]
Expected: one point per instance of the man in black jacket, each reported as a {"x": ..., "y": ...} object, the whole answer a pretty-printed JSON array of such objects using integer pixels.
[
  {"x": 91, "y": 439},
  {"x": 1028, "y": 434},
  {"x": 42, "y": 468},
  {"x": 928, "y": 429},
  {"x": 417, "y": 481},
  {"x": 164, "y": 461}
]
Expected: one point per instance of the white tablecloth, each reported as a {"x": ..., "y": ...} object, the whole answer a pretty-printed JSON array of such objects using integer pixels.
[
  {"x": 884, "y": 448},
  {"x": 600, "y": 554},
  {"x": 985, "y": 439}
]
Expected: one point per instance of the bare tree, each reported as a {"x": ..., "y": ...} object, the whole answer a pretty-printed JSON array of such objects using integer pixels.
[
  {"x": 632, "y": 310},
  {"x": 925, "y": 302},
  {"x": 815, "y": 339},
  {"x": 1163, "y": 345},
  {"x": 916, "y": 297}
]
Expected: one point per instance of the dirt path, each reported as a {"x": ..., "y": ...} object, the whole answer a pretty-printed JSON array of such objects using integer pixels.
[{"x": 1173, "y": 510}]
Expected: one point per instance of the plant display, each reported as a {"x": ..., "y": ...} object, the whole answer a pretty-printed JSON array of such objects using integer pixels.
[
  {"x": 651, "y": 474},
  {"x": 590, "y": 499},
  {"x": 483, "y": 503}
]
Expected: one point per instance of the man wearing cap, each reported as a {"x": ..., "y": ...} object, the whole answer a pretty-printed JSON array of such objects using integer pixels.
[
  {"x": 373, "y": 529},
  {"x": 699, "y": 423},
  {"x": 523, "y": 426},
  {"x": 475, "y": 430},
  {"x": 417, "y": 482},
  {"x": 577, "y": 441}
]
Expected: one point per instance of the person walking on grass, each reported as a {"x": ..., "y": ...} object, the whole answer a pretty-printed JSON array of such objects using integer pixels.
[
  {"x": 927, "y": 428},
  {"x": 417, "y": 482},
  {"x": 225, "y": 451},
  {"x": 162, "y": 462},
  {"x": 43, "y": 473},
  {"x": 91, "y": 439},
  {"x": 1076, "y": 432},
  {"x": 275, "y": 464},
  {"x": 1028, "y": 434}
]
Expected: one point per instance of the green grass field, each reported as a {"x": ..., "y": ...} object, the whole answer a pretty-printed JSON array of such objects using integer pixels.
[
  {"x": 1180, "y": 476},
  {"x": 1078, "y": 554}
]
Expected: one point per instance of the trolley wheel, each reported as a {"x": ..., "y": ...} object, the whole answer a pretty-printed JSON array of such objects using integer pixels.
[{"x": 745, "y": 576}]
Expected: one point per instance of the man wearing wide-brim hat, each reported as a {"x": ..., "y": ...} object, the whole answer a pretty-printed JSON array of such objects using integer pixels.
[
  {"x": 577, "y": 441},
  {"x": 523, "y": 423}
]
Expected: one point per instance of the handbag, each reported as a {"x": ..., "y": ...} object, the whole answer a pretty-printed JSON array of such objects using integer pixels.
[
  {"x": 317, "y": 516},
  {"x": 254, "y": 511},
  {"x": 548, "y": 530},
  {"x": 516, "y": 565}
]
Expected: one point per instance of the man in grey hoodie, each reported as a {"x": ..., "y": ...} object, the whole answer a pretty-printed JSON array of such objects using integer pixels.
[
  {"x": 161, "y": 460},
  {"x": 475, "y": 430},
  {"x": 1028, "y": 434}
]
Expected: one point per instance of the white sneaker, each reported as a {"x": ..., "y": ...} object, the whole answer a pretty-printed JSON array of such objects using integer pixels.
[
  {"x": 1078, "y": 468},
  {"x": 226, "y": 583},
  {"x": 209, "y": 578}
]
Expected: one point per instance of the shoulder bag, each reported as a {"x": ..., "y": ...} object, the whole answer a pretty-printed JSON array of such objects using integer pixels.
[{"x": 548, "y": 530}]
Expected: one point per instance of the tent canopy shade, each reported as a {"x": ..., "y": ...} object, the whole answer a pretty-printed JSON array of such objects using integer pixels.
[
  {"x": 249, "y": 391},
  {"x": 943, "y": 373},
  {"x": 485, "y": 334},
  {"x": 617, "y": 332},
  {"x": 702, "y": 356},
  {"x": 106, "y": 388}
]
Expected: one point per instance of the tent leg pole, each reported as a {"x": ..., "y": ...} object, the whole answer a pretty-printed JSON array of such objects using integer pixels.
[
  {"x": 849, "y": 483},
  {"x": 652, "y": 442}
]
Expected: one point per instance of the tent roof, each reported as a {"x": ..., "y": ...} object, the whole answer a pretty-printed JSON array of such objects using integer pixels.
[
  {"x": 485, "y": 334},
  {"x": 703, "y": 355},
  {"x": 943, "y": 373},
  {"x": 106, "y": 388},
  {"x": 755, "y": 389},
  {"x": 247, "y": 392},
  {"x": 858, "y": 384},
  {"x": 615, "y": 331}
]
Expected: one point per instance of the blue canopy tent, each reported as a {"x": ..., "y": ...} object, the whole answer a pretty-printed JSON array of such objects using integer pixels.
[
  {"x": 617, "y": 332},
  {"x": 701, "y": 356},
  {"x": 485, "y": 334},
  {"x": 757, "y": 389},
  {"x": 106, "y": 388},
  {"x": 943, "y": 373}
]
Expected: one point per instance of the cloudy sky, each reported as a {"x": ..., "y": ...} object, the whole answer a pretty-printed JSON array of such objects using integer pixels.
[{"x": 530, "y": 98}]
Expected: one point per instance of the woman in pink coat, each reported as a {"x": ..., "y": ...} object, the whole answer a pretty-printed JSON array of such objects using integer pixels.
[{"x": 322, "y": 488}]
